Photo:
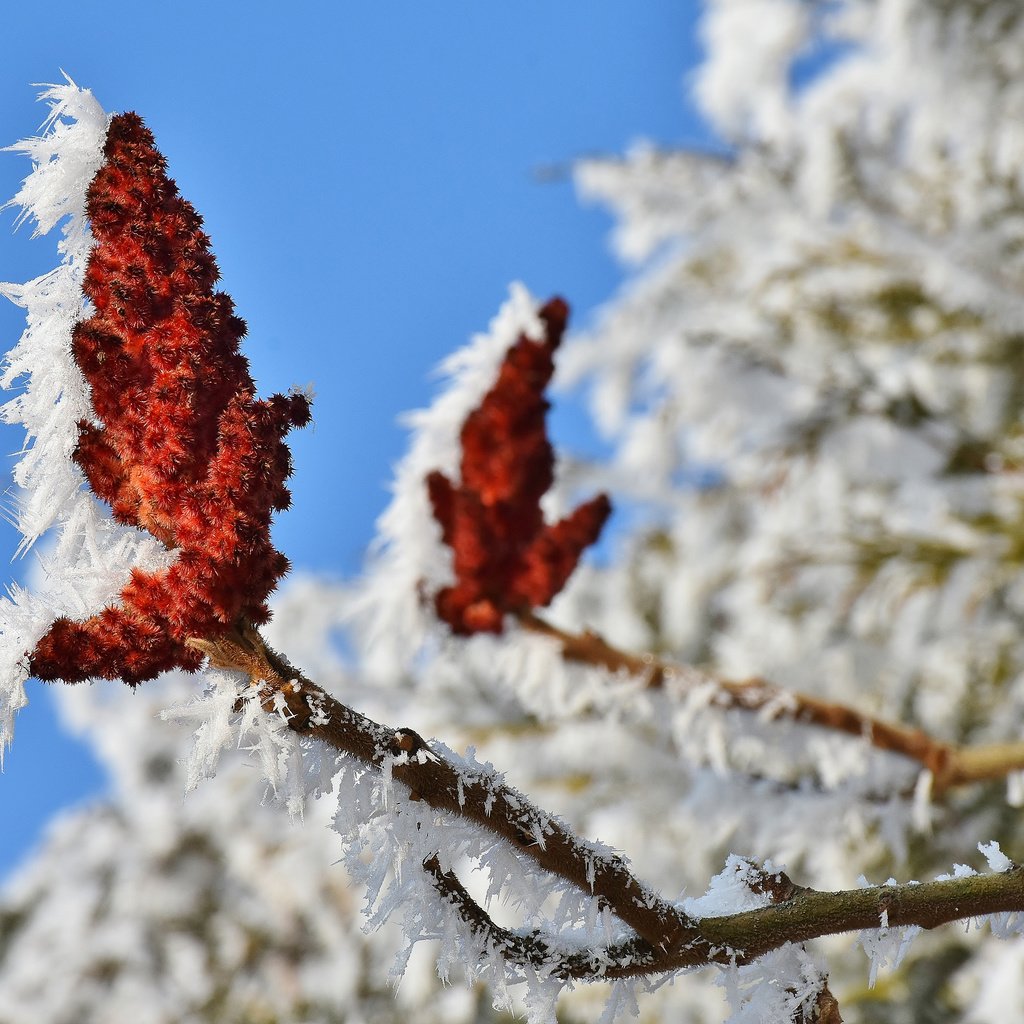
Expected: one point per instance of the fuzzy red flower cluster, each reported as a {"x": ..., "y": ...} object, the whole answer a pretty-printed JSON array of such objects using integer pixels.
[
  {"x": 181, "y": 446},
  {"x": 506, "y": 558}
]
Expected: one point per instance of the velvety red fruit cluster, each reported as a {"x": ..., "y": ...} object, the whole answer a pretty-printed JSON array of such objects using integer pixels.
[
  {"x": 181, "y": 446},
  {"x": 506, "y": 558}
]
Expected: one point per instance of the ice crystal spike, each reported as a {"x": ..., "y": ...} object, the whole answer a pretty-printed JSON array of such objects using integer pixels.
[
  {"x": 180, "y": 446},
  {"x": 506, "y": 558}
]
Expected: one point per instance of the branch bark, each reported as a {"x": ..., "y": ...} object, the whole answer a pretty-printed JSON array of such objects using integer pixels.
[
  {"x": 742, "y": 938},
  {"x": 666, "y": 938},
  {"x": 950, "y": 764},
  {"x": 485, "y": 800}
]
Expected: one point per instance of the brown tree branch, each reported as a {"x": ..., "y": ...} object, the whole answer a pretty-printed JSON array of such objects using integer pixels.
[
  {"x": 742, "y": 938},
  {"x": 622, "y": 959},
  {"x": 951, "y": 764},
  {"x": 483, "y": 799},
  {"x": 811, "y": 914},
  {"x": 537, "y": 950},
  {"x": 667, "y": 939}
]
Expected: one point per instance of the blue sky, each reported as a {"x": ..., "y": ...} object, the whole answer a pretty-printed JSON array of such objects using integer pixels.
[{"x": 372, "y": 176}]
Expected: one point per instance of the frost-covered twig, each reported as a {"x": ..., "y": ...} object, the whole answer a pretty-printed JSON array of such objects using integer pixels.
[
  {"x": 950, "y": 764},
  {"x": 483, "y": 798},
  {"x": 669, "y": 938},
  {"x": 625, "y": 959},
  {"x": 811, "y": 914}
]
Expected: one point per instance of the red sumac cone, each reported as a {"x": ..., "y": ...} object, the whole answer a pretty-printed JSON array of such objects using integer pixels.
[
  {"x": 506, "y": 558},
  {"x": 180, "y": 445}
]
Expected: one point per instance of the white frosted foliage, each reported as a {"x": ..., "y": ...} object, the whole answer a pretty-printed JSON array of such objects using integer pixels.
[{"x": 744, "y": 86}]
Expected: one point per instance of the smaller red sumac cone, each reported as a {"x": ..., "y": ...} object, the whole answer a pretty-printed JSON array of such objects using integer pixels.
[
  {"x": 180, "y": 445},
  {"x": 506, "y": 558}
]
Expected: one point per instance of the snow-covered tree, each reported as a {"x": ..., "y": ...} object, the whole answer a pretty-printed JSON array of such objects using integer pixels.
[{"x": 798, "y": 645}]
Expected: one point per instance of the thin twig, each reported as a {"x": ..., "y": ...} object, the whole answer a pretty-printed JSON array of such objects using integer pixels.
[
  {"x": 537, "y": 950},
  {"x": 742, "y": 938},
  {"x": 949, "y": 763}
]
